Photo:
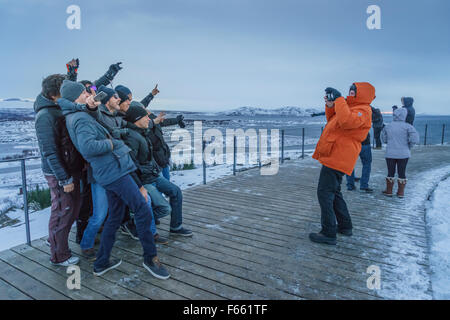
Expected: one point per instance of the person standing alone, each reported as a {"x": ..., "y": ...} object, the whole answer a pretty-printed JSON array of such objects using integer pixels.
[{"x": 348, "y": 123}]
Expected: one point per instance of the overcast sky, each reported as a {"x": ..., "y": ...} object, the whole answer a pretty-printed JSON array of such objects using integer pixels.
[{"x": 212, "y": 55}]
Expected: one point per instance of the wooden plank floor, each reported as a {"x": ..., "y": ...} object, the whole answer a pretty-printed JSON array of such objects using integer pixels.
[{"x": 251, "y": 242}]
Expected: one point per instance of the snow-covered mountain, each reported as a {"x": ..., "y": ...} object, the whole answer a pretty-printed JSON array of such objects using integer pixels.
[
  {"x": 284, "y": 111},
  {"x": 18, "y": 100}
]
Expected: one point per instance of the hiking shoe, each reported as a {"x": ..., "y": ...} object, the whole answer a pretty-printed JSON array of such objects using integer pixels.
[
  {"x": 345, "y": 232},
  {"x": 69, "y": 262},
  {"x": 181, "y": 232},
  {"x": 160, "y": 240},
  {"x": 350, "y": 188},
  {"x": 156, "y": 269},
  {"x": 366, "y": 190},
  {"x": 89, "y": 254},
  {"x": 129, "y": 228},
  {"x": 321, "y": 238},
  {"x": 111, "y": 265}
]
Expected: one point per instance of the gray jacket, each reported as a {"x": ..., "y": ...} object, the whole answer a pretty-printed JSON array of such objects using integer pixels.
[
  {"x": 399, "y": 136},
  {"x": 108, "y": 162}
]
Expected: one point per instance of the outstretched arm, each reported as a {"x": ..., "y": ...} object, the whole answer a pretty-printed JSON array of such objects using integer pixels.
[
  {"x": 146, "y": 101},
  {"x": 72, "y": 69},
  {"x": 109, "y": 75}
]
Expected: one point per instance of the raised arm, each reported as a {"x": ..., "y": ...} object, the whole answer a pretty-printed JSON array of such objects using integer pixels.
[
  {"x": 351, "y": 119},
  {"x": 109, "y": 75}
]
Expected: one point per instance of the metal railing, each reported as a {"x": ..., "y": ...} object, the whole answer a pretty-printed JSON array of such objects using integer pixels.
[{"x": 282, "y": 158}]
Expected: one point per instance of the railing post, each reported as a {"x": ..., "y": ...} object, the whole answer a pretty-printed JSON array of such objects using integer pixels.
[
  {"x": 259, "y": 150},
  {"x": 321, "y": 130},
  {"x": 303, "y": 143},
  {"x": 203, "y": 159},
  {"x": 443, "y": 133},
  {"x": 426, "y": 131},
  {"x": 282, "y": 146},
  {"x": 25, "y": 201},
  {"x": 234, "y": 155}
]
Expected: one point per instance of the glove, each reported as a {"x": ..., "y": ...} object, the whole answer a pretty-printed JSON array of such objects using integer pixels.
[
  {"x": 180, "y": 121},
  {"x": 112, "y": 71},
  {"x": 332, "y": 94}
]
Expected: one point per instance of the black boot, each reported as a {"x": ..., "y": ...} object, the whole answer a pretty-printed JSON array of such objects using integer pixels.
[{"x": 321, "y": 238}]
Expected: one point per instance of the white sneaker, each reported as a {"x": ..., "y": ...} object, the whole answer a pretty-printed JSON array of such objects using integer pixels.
[
  {"x": 71, "y": 261},
  {"x": 48, "y": 243}
]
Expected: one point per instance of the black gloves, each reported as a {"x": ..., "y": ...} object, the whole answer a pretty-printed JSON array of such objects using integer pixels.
[
  {"x": 180, "y": 121},
  {"x": 112, "y": 71},
  {"x": 332, "y": 94}
]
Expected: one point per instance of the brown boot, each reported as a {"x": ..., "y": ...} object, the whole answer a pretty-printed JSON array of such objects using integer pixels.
[
  {"x": 401, "y": 188},
  {"x": 389, "y": 186}
]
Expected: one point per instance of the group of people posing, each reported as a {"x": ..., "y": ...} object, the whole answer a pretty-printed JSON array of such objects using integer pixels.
[
  {"x": 344, "y": 138},
  {"x": 107, "y": 166}
]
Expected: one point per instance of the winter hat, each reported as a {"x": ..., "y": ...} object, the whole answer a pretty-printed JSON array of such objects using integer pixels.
[
  {"x": 123, "y": 92},
  {"x": 135, "y": 112},
  {"x": 71, "y": 90},
  {"x": 109, "y": 93}
]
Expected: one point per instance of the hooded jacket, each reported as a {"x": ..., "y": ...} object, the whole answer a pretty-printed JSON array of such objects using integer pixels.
[
  {"x": 348, "y": 124},
  {"x": 109, "y": 158},
  {"x": 399, "y": 136},
  {"x": 408, "y": 105},
  {"x": 140, "y": 143},
  {"x": 47, "y": 122}
]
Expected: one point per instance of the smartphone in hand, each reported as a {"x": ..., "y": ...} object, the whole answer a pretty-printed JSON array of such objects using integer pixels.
[{"x": 100, "y": 96}]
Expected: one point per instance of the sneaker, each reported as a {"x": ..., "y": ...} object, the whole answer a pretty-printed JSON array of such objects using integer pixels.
[
  {"x": 129, "y": 228},
  {"x": 156, "y": 269},
  {"x": 181, "y": 232},
  {"x": 366, "y": 190},
  {"x": 47, "y": 242},
  {"x": 89, "y": 254},
  {"x": 350, "y": 188},
  {"x": 160, "y": 240},
  {"x": 321, "y": 238},
  {"x": 69, "y": 262},
  {"x": 345, "y": 232},
  {"x": 111, "y": 265}
]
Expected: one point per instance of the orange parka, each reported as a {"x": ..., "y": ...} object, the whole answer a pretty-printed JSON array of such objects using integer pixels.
[{"x": 348, "y": 124}]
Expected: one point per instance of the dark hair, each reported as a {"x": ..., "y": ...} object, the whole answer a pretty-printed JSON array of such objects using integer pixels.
[
  {"x": 85, "y": 82},
  {"x": 51, "y": 85}
]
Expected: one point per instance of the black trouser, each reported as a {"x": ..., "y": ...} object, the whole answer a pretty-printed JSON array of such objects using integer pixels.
[
  {"x": 332, "y": 204},
  {"x": 377, "y": 133},
  {"x": 86, "y": 199},
  {"x": 399, "y": 164}
]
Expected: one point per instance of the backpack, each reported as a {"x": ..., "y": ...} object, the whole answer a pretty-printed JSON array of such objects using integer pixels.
[{"x": 71, "y": 159}]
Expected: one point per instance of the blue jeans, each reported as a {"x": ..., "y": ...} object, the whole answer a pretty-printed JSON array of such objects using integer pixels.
[
  {"x": 99, "y": 212},
  {"x": 366, "y": 159},
  {"x": 166, "y": 172},
  {"x": 175, "y": 197},
  {"x": 161, "y": 208},
  {"x": 152, "y": 225},
  {"x": 122, "y": 193}
]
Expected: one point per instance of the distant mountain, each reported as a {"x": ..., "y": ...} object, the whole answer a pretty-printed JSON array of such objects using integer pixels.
[
  {"x": 284, "y": 111},
  {"x": 18, "y": 99}
]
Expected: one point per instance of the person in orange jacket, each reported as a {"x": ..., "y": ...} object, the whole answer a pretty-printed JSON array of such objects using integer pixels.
[{"x": 348, "y": 123}]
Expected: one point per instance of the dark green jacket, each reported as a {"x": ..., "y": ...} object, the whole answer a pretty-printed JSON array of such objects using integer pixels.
[{"x": 47, "y": 125}]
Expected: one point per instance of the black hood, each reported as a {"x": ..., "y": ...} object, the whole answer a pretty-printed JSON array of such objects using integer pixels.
[{"x": 42, "y": 102}]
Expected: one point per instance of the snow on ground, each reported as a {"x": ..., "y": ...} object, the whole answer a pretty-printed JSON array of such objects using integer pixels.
[
  {"x": 438, "y": 221},
  {"x": 414, "y": 282}
]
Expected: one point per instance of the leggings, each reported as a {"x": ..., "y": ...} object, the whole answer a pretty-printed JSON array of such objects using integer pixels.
[{"x": 401, "y": 167}]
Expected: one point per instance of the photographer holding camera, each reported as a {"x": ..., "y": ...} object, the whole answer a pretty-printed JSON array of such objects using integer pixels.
[{"x": 349, "y": 121}]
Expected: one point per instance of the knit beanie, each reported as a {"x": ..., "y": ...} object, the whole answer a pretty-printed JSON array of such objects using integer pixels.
[
  {"x": 71, "y": 90},
  {"x": 135, "y": 112},
  {"x": 109, "y": 93},
  {"x": 123, "y": 92}
]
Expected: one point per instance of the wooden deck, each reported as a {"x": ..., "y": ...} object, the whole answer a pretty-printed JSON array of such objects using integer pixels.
[{"x": 251, "y": 242}]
